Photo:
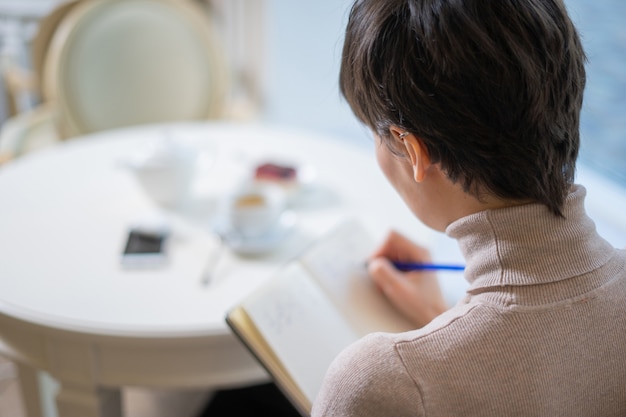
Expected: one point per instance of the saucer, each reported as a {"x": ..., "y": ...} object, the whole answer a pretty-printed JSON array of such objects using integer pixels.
[{"x": 261, "y": 244}]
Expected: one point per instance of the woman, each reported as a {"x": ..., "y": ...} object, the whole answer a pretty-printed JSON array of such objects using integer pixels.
[{"x": 475, "y": 108}]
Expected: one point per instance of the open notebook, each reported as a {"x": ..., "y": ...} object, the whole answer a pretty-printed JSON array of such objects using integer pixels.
[{"x": 314, "y": 307}]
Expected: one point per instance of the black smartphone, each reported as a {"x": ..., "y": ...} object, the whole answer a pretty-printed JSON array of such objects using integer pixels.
[{"x": 145, "y": 248}]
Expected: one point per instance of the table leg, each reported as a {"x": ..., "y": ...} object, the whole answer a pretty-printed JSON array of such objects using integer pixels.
[
  {"x": 29, "y": 385},
  {"x": 75, "y": 400}
]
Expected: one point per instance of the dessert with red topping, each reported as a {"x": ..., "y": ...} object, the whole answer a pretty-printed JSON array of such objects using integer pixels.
[{"x": 270, "y": 171}]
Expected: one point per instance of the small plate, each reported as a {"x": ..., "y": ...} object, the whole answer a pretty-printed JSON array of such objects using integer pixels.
[{"x": 258, "y": 245}]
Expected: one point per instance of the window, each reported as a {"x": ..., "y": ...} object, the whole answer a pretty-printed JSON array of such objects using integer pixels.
[{"x": 603, "y": 121}]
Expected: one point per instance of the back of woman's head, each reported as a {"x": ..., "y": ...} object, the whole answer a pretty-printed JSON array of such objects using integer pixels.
[{"x": 492, "y": 87}]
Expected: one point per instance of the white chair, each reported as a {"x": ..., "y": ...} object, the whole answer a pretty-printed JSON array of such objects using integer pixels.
[
  {"x": 34, "y": 129},
  {"x": 115, "y": 63}
]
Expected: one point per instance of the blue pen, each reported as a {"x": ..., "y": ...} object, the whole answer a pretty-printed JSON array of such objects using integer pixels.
[{"x": 416, "y": 266}]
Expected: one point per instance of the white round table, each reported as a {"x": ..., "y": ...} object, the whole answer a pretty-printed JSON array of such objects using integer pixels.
[{"x": 67, "y": 306}]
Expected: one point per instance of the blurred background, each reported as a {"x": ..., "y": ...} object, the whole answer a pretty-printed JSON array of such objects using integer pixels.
[
  {"x": 283, "y": 59},
  {"x": 284, "y": 56}
]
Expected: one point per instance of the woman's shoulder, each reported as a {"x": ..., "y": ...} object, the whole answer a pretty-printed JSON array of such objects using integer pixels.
[
  {"x": 370, "y": 357},
  {"x": 381, "y": 368},
  {"x": 365, "y": 375}
]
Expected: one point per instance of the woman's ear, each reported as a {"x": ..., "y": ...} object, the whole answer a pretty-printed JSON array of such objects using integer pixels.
[{"x": 415, "y": 150}]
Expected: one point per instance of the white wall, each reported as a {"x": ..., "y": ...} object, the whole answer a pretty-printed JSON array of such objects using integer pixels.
[{"x": 304, "y": 42}]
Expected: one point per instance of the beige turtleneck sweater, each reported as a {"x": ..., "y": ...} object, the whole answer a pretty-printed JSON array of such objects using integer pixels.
[{"x": 541, "y": 331}]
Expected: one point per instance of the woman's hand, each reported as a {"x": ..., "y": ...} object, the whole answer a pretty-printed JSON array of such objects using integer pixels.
[{"x": 417, "y": 293}]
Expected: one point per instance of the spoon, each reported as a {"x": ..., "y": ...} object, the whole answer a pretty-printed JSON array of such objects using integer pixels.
[{"x": 211, "y": 265}]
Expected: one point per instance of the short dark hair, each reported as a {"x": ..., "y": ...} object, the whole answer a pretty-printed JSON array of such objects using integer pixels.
[{"x": 494, "y": 88}]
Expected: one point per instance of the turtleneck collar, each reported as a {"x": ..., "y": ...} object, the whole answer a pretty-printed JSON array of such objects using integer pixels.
[{"x": 515, "y": 246}]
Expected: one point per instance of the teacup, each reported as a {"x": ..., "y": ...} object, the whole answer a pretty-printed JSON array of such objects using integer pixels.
[{"x": 254, "y": 210}]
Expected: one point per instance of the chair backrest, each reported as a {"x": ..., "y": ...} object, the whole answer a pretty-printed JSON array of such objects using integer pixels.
[
  {"x": 41, "y": 42},
  {"x": 114, "y": 63}
]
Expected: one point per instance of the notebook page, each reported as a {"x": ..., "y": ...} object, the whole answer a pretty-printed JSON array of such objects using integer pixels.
[
  {"x": 338, "y": 264},
  {"x": 301, "y": 325}
]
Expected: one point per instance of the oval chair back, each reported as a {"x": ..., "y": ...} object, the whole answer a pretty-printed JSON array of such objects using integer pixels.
[{"x": 116, "y": 63}]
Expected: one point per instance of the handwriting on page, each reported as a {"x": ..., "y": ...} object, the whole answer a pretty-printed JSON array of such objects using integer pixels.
[
  {"x": 290, "y": 300},
  {"x": 339, "y": 259},
  {"x": 301, "y": 325},
  {"x": 290, "y": 307}
]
